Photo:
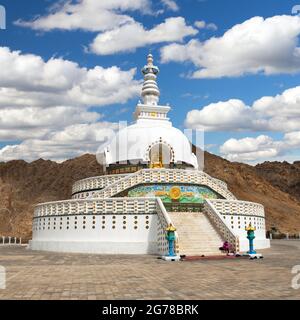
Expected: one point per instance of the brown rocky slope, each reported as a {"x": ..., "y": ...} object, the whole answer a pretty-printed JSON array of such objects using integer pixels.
[
  {"x": 282, "y": 209},
  {"x": 283, "y": 175},
  {"x": 24, "y": 184}
]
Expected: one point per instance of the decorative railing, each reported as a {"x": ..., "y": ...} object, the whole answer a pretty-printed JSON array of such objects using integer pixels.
[
  {"x": 164, "y": 222},
  {"x": 234, "y": 207},
  {"x": 145, "y": 176},
  {"x": 10, "y": 240},
  {"x": 221, "y": 183},
  {"x": 112, "y": 206},
  {"x": 100, "y": 182},
  {"x": 220, "y": 225},
  {"x": 96, "y": 206},
  {"x": 96, "y": 183}
]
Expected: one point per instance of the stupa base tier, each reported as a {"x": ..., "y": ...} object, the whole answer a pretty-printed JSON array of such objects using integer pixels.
[
  {"x": 95, "y": 247},
  {"x": 107, "y": 247},
  {"x": 261, "y": 243},
  {"x": 137, "y": 226}
]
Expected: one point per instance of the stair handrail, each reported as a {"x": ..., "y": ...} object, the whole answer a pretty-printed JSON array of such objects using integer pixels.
[
  {"x": 166, "y": 220},
  {"x": 221, "y": 226},
  {"x": 142, "y": 172},
  {"x": 76, "y": 187},
  {"x": 127, "y": 177}
]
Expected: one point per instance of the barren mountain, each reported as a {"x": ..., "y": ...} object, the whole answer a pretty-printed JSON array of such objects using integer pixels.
[
  {"x": 23, "y": 184},
  {"x": 282, "y": 209},
  {"x": 282, "y": 175}
]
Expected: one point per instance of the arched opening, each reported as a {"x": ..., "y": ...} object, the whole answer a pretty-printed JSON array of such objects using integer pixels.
[{"x": 160, "y": 156}]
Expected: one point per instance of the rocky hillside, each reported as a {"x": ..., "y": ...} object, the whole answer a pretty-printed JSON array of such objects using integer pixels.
[
  {"x": 247, "y": 183},
  {"x": 24, "y": 184},
  {"x": 282, "y": 175}
]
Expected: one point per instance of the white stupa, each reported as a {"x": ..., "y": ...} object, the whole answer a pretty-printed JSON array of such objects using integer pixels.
[
  {"x": 152, "y": 179},
  {"x": 151, "y": 130}
]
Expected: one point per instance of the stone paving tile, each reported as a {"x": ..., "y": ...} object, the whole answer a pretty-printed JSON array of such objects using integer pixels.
[{"x": 37, "y": 275}]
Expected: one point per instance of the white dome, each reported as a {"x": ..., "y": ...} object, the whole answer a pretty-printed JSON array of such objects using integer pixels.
[
  {"x": 134, "y": 143},
  {"x": 152, "y": 136}
]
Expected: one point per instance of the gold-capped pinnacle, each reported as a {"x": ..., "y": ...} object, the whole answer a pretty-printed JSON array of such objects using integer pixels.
[
  {"x": 250, "y": 228},
  {"x": 170, "y": 227}
]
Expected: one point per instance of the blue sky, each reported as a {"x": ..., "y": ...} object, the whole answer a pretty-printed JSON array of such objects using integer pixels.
[{"x": 36, "y": 29}]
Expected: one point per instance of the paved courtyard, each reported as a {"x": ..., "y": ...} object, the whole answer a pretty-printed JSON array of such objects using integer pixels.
[{"x": 44, "y": 275}]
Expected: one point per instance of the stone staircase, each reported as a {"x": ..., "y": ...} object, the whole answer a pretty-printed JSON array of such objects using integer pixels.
[{"x": 197, "y": 236}]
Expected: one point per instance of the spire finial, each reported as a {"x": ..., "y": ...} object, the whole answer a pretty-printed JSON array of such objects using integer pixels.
[
  {"x": 150, "y": 59},
  {"x": 150, "y": 91}
]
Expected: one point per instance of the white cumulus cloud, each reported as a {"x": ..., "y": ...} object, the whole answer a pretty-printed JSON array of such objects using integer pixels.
[
  {"x": 43, "y": 103},
  {"x": 250, "y": 149},
  {"x": 221, "y": 116},
  {"x": 261, "y": 148},
  {"x": 70, "y": 142},
  {"x": 171, "y": 5},
  {"x": 133, "y": 35},
  {"x": 118, "y": 31},
  {"x": 278, "y": 114},
  {"x": 258, "y": 45},
  {"x": 201, "y": 24},
  {"x": 91, "y": 15},
  {"x": 28, "y": 80}
]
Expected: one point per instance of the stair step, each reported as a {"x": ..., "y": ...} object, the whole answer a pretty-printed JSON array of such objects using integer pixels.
[
  {"x": 213, "y": 248},
  {"x": 194, "y": 242},
  {"x": 197, "y": 236},
  {"x": 198, "y": 253}
]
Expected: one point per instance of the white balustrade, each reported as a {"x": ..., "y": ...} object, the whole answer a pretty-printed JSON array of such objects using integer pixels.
[
  {"x": 221, "y": 226},
  {"x": 145, "y": 176},
  {"x": 11, "y": 240},
  {"x": 94, "y": 206},
  {"x": 221, "y": 183},
  {"x": 95, "y": 183},
  {"x": 234, "y": 207},
  {"x": 165, "y": 221}
]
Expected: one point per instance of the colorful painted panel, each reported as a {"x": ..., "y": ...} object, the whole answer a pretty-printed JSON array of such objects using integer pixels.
[{"x": 175, "y": 193}]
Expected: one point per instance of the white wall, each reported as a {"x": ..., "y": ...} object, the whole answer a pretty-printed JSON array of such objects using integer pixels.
[
  {"x": 106, "y": 233},
  {"x": 237, "y": 224}
]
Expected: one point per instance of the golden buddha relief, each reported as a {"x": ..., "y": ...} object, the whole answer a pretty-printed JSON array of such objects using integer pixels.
[{"x": 159, "y": 156}]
